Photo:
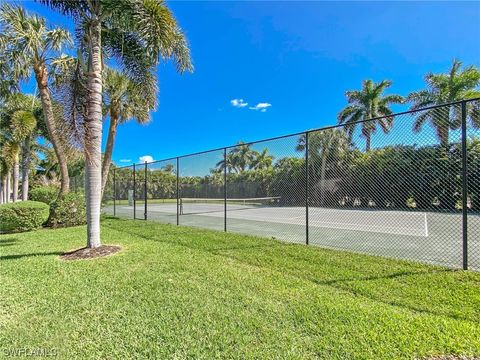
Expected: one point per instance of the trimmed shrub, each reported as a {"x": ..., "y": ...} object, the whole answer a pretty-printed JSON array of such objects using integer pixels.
[
  {"x": 45, "y": 194},
  {"x": 22, "y": 216},
  {"x": 68, "y": 210}
]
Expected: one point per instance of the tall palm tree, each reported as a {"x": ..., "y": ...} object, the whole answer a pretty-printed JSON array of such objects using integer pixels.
[
  {"x": 125, "y": 99},
  {"x": 369, "y": 103},
  {"x": 137, "y": 34},
  {"x": 323, "y": 146},
  {"x": 27, "y": 43},
  {"x": 455, "y": 85},
  {"x": 7, "y": 158},
  {"x": 22, "y": 117},
  {"x": 18, "y": 125},
  {"x": 262, "y": 160},
  {"x": 242, "y": 157},
  {"x": 229, "y": 162},
  {"x": 168, "y": 169}
]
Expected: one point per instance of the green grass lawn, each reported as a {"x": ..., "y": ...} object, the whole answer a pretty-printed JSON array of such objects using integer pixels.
[{"x": 178, "y": 292}]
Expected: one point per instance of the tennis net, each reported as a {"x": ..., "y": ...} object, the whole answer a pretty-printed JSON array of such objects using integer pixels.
[{"x": 190, "y": 206}]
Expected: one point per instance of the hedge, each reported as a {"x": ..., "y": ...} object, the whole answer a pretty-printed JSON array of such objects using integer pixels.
[
  {"x": 22, "y": 216},
  {"x": 68, "y": 210},
  {"x": 45, "y": 194}
]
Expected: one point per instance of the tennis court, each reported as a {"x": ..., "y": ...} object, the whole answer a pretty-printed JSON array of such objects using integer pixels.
[{"x": 432, "y": 237}]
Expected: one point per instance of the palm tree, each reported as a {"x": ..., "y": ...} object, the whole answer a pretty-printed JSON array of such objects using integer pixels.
[
  {"x": 242, "y": 157},
  {"x": 229, "y": 162},
  {"x": 18, "y": 126},
  {"x": 125, "y": 99},
  {"x": 27, "y": 123},
  {"x": 455, "y": 85},
  {"x": 7, "y": 158},
  {"x": 168, "y": 169},
  {"x": 366, "y": 104},
  {"x": 136, "y": 34},
  {"x": 27, "y": 43},
  {"x": 262, "y": 160},
  {"x": 323, "y": 146}
]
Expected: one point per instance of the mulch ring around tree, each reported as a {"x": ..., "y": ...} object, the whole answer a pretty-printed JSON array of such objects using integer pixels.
[{"x": 88, "y": 253}]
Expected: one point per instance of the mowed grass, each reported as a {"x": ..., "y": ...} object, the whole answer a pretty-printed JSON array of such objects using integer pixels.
[{"x": 178, "y": 292}]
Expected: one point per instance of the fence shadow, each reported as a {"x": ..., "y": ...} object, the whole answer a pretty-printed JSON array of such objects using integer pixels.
[{"x": 8, "y": 241}]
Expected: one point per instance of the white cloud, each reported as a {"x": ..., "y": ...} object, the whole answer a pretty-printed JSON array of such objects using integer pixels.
[
  {"x": 125, "y": 160},
  {"x": 238, "y": 103},
  {"x": 262, "y": 107},
  {"x": 146, "y": 158}
]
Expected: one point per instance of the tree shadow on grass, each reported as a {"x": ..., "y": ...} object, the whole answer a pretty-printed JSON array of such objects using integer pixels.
[{"x": 20, "y": 256}]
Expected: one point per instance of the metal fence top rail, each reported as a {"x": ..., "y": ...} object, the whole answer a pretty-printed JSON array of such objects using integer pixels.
[{"x": 306, "y": 132}]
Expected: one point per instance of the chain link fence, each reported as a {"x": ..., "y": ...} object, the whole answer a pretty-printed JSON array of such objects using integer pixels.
[{"x": 405, "y": 186}]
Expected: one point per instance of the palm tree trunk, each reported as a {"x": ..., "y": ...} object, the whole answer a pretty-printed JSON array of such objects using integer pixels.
[
  {"x": 443, "y": 134},
  {"x": 42, "y": 83},
  {"x": 368, "y": 143},
  {"x": 2, "y": 188},
  {"x": 93, "y": 138},
  {"x": 7, "y": 188},
  {"x": 26, "y": 159},
  {"x": 107, "y": 158},
  {"x": 16, "y": 173}
]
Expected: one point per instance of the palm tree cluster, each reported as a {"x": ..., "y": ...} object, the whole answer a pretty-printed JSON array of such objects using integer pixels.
[
  {"x": 242, "y": 158},
  {"x": 78, "y": 93},
  {"x": 21, "y": 117},
  {"x": 369, "y": 108}
]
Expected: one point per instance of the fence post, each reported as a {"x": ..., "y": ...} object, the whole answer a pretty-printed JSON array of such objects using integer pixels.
[
  {"x": 306, "y": 189},
  {"x": 114, "y": 194},
  {"x": 225, "y": 189},
  {"x": 178, "y": 218},
  {"x": 464, "y": 186},
  {"x": 134, "y": 194},
  {"x": 145, "y": 192}
]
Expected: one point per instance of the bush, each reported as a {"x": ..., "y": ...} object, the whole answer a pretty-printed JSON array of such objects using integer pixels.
[
  {"x": 68, "y": 210},
  {"x": 22, "y": 216},
  {"x": 45, "y": 194}
]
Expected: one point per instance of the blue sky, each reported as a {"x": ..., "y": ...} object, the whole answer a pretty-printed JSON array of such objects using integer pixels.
[{"x": 299, "y": 57}]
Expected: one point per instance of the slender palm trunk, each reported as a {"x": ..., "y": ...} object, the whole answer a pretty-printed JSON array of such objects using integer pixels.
[
  {"x": 7, "y": 188},
  {"x": 2, "y": 188},
  {"x": 16, "y": 175},
  {"x": 42, "y": 83},
  {"x": 368, "y": 142},
  {"x": 443, "y": 134},
  {"x": 93, "y": 138},
  {"x": 26, "y": 159},
  {"x": 107, "y": 158}
]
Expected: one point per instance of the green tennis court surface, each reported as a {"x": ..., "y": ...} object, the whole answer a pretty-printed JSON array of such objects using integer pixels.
[{"x": 430, "y": 237}]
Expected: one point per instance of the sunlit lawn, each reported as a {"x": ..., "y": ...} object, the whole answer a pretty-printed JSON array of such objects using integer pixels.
[{"x": 177, "y": 292}]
